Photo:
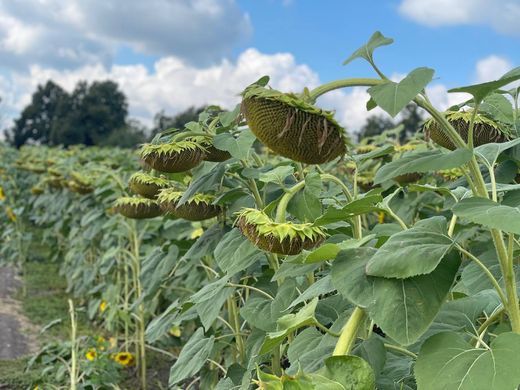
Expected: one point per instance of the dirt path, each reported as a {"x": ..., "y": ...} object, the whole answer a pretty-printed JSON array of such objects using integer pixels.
[{"x": 17, "y": 334}]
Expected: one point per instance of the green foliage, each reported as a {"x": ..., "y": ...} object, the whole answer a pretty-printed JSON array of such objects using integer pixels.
[{"x": 338, "y": 276}]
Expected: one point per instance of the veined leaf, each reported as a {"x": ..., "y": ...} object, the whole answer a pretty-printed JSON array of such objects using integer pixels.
[
  {"x": 393, "y": 97},
  {"x": 490, "y": 214},
  {"x": 367, "y": 50},
  {"x": 412, "y": 252},
  {"x": 424, "y": 161},
  {"x": 447, "y": 361},
  {"x": 192, "y": 357},
  {"x": 238, "y": 147},
  {"x": 403, "y": 308}
]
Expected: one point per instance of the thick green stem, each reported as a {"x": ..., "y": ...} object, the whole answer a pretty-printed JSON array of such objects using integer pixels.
[
  {"x": 282, "y": 205},
  {"x": 349, "y": 332},
  {"x": 357, "y": 82},
  {"x": 472, "y": 126},
  {"x": 508, "y": 273}
]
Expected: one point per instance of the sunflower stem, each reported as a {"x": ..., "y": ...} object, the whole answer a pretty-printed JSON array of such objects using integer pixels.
[
  {"x": 344, "y": 83},
  {"x": 284, "y": 201},
  {"x": 349, "y": 332}
]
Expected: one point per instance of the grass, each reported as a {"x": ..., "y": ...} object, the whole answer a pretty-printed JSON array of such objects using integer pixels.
[
  {"x": 13, "y": 375},
  {"x": 46, "y": 301}
]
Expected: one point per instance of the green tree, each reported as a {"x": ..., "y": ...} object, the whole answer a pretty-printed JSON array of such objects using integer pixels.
[
  {"x": 375, "y": 125},
  {"x": 91, "y": 114},
  {"x": 36, "y": 120},
  {"x": 411, "y": 119}
]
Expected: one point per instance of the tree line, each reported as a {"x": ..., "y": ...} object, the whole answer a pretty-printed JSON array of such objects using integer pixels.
[{"x": 97, "y": 114}]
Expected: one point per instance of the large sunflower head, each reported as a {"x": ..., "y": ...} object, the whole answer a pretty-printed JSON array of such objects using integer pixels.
[
  {"x": 197, "y": 208},
  {"x": 286, "y": 238},
  {"x": 147, "y": 185},
  {"x": 291, "y": 127},
  {"x": 173, "y": 156},
  {"x": 137, "y": 208},
  {"x": 485, "y": 130}
]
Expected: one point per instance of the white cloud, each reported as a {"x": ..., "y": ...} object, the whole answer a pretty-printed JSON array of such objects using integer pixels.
[
  {"x": 77, "y": 32},
  {"x": 175, "y": 85},
  {"x": 491, "y": 68},
  {"x": 501, "y": 15}
]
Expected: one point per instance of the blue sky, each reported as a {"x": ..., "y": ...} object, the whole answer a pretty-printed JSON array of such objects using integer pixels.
[{"x": 172, "y": 54}]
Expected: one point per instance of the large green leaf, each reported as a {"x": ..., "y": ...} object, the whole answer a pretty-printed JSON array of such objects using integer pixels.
[
  {"x": 288, "y": 323},
  {"x": 357, "y": 207},
  {"x": 321, "y": 287},
  {"x": 239, "y": 147},
  {"x": 423, "y": 161},
  {"x": 393, "y": 97},
  {"x": 403, "y": 308},
  {"x": 234, "y": 253},
  {"x": 330, "y": 250},
  {"x": 416, "y": 251},
  {"x": 447, "y": 361},
  {"x": 277, "y": 175},
  {"x": 490, "y": 214},
  {"x": 306, "y": 205},
  {"x": 351, "y": 371},
  {"x": 367, "y": 50},
  {"x": 488, "y": 153},
  {"x": 339, "y": 373},
  {"x": 209, "y": 310},
  {"x": 205, "y": 183},
  {"x": 499, "y": 108},
  {"x": 192, "y": 357},
  {"x": 480, "y": 91}
]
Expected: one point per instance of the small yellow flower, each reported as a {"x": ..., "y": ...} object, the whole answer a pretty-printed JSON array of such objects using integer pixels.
[
  {"x": 10, "y": 214},
  {"x": 103, "y": 306},
  {"x": 2, "y": 195},
  {"x": 175, "y": 331},
  {"x": 36, "y": 388},
  {"x": 196, "y": 233},
  {"x": 91, "y": 354},
  {"x": 112, "y": 341},
  {"x": 381, "y": 217},
  {"x": 124, "y": 358}
]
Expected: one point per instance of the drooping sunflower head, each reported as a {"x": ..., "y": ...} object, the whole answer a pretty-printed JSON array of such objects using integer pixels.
[
  {"x": 485, "y": 130},
  {"x": 147, "y": 185},
  {"x": 173, "y": 156},
  {"x": 196, "y": 208},
  {"x": 137, "y": 208},
  {"x": 286, "y": 238},
  {"x": 291, "y": 127}
]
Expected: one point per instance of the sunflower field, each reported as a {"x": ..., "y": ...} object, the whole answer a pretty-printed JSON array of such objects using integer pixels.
[{"x": 262, "y": 248}]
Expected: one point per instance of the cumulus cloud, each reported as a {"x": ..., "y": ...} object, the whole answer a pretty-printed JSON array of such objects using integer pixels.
[
  {"x": 173, "y": 85},
  {"x": 77, "y": 32},
  {"x": 491, "y": 68},
  {"x": 501, "y": 15}
]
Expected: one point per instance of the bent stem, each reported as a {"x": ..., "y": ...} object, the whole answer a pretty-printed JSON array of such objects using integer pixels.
[
  {"x": 344, "y": 83},
  {"x": 349, "y": 332}
]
